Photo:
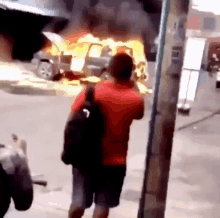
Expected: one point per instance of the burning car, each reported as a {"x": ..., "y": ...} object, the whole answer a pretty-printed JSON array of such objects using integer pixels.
[
  {"x": 85, "y": 57},
  {"x": 98, "y": 59}
]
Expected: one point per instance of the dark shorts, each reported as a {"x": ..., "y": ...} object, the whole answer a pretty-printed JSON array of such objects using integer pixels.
[{"x": 104, "y": 187}]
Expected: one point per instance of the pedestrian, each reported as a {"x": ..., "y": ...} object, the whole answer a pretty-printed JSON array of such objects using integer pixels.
[
  {"x": 120, "y": 103},
  {"x": 15, "y": 179}
]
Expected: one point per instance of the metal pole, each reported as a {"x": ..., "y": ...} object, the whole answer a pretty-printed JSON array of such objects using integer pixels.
[{"x": 162, "y": 123}]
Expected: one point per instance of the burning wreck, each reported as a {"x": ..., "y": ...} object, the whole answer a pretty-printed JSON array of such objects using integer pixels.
[
  {"x": 85, "y": 55},
  {"x": 97, "y": 31}
]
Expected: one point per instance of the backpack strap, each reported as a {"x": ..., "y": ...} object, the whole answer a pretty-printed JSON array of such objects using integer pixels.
[{"x": 90, "y": 95}]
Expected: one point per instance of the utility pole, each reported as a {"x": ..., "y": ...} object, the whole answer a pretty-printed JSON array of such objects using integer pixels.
[{"x": 163, "y": 116}]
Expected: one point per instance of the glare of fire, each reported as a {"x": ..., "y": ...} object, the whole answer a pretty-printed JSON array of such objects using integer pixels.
[
  {"x": 135, "y": 44},
  {"x": 12, "y": 71},
  {"x": 78, "y": 47}
]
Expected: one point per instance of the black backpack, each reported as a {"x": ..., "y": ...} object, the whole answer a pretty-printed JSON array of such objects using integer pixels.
[{"x": 83, "y": 135}]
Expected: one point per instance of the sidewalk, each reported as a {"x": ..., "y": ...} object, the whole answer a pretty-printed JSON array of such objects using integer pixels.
[
  {"x": 31, "y": 85},
  {"x": 197, "y": 114},
  {"x": 17, "y": 79}
]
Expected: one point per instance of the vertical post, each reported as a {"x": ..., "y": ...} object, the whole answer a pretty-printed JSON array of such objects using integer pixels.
[{"x": 162, "y": 123}]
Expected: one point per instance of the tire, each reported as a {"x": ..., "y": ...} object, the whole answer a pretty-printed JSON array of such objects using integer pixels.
[{"x": 46, "y": 70}]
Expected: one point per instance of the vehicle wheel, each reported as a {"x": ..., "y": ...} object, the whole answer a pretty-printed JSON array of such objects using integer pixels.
[{"x": 45, "y": 70}]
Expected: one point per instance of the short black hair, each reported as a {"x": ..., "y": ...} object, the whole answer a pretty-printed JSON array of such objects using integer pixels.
[{"x": 121, "y": 67}]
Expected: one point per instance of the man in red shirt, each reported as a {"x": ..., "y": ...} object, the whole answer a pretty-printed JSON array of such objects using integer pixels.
[{"x": 120, "y": 103}]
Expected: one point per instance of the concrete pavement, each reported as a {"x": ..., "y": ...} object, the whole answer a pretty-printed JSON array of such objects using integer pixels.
[
  {"x": 56, "y": 203},
  {"x": 194, "y": 175},
  {"x": 190, "y": 144}
]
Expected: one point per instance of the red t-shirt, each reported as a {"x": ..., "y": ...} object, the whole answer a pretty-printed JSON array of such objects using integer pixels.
[{"x": 120, "y": 104}]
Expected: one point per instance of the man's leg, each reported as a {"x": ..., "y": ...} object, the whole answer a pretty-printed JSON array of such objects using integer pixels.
[
  {"x": 82, "y": 197},
  {"x": 108, "y": 190},
  {"x": 100, "y": 211},
  {"x": 75, "y": 212}
]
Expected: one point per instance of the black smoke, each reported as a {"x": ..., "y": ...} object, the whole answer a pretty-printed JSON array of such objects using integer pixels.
[
  {"x": 24, "y": 30},
  {"x": 101, "y": 26}
]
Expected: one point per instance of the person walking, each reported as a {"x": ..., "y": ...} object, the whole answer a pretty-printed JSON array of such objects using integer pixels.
[{"x": 120, "y": 103}]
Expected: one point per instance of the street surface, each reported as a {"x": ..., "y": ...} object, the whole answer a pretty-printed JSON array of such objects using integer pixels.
[
  {"x": 40, "y": 121},
  {"x": 194, "y": 178}
]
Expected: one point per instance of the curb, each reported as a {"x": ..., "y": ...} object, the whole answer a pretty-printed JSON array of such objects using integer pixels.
[
  {"x": 13, "y": 87},
  {"x": 148, "y": 107},
  {"x": 28, "y": 90},
  {"x": 198, "y": 121},
  {"x": 7, "y": 84},
  {"x": 16, "y": 87}
]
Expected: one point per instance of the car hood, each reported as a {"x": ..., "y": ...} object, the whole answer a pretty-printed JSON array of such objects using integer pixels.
[{"x": 56, "y": 39}]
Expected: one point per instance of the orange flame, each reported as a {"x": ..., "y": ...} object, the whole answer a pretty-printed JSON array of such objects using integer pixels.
[{"x": 78, "y": 45}]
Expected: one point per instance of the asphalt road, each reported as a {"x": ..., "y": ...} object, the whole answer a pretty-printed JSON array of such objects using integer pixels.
[
  {"x": 40, "y": 120},
  {"x": 194, "y": 182},
  {"x": 194, "y": 178}
]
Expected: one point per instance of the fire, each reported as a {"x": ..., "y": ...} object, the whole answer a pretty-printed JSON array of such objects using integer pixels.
[
  {"x": 78, "y": 45},
  {"x": 135, "y": 44},
  {"x": 67, "y": 45},
  {"x": 79, "y": 53}
]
